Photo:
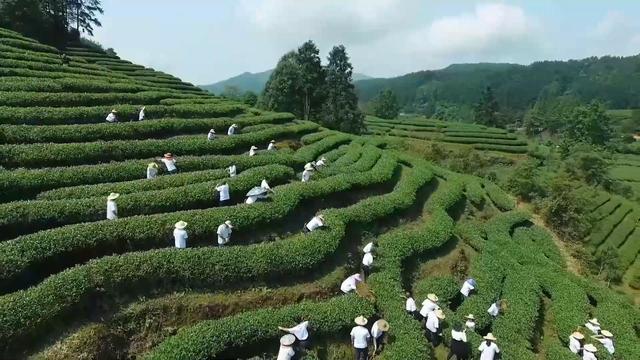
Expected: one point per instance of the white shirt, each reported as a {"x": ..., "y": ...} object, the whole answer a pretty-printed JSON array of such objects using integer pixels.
[
  {"x": 494, "y": 310},
  {"x": 265, "y": 185},
  {"x": 111, "y": 117},
  {"x": 232, "y": 170},
  {"x": 574, "y": 345},
  {"x": 285, "y": 353},
  {"x": 410, "y": 305},
  {"x": 224, "y": 192},
  {"x": 300, "y": 331},
  {"x": 459, "y": 335},
  {"x": 594, "y": 328},
  {"x": 224, "y": 234},
  {"x": 180, "y": 236},
  {"x": 141, "y": 115},
  {"x": 271, "y": 146},
  {"x": 608, "y": 344},
  {"x": 314, "y": 223},
  {"x": 488, "y": 352},
  {"x": 428, "y": 306},
  {"x": 368, "y": 248},
  {"x": 211, "y": 136},
  {"x": 367, "y": 259},
  {"x": 252, "y": 152},
  {"x": 432, "y": 322},
  {"x": 251, "y": 199},
  {"x": 306, "y": 175},
  {"x": 375, "y": 329},
  {"x": 112, "y": 210},
  {"x": 470, "y": 324},
  {"x": 320, "y": 163},
  {"x": 231, "y": 131},
  {"x": 466, "y": 288},
  {"x": 152, "y": 173},
  {"x": 361, "y": 337},
  {"x": 586, "y": 355},
  {"x": 349, "y": 284},
  {"x": 169, "y": 163}
]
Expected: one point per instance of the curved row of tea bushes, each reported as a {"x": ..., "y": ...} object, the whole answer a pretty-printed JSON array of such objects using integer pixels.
[
  {"x": 203, "y": 100},
  {"x": 499, "y": 197},
  {"x": 28, "y": 45},
  {"x": 21, "y": 64},
  {"x": 61, "y": 99},
  {"x": 208, "y": 339},
  {"x": 133, "y": 130},
  {"x": 6, "y": 33},
  {"x": 96, "y": 114},
  {"x": 25, "y": 217},
  {"x": 94, "y": 85},
  {"x": 25, "y": 314},
  {"x": 24, "y": 184},
  {"x": 482, "y": 140},
  {"x": 144, "y": 232},
  {"x": 503, "y": 148},
  {"x": 51, "y": 155}
]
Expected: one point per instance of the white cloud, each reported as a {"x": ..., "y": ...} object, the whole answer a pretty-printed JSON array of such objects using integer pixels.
[{"x": 616, "y": 33}]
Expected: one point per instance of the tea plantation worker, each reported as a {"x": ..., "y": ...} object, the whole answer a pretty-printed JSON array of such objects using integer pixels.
[
  {"x": 606, "y": 339},
  {"x": 367, "y": 261},
  {"x": 223, "y": 190},
  {"x": 152, "y": 170},
  {"x": 576, "y": 342},
  {"x": 141, "y": 114},
  {"x": 360, "y": 338},
  {"x": 589, "y": 352},
  {"x": 232, "y": 129},
  {"x": 232, "y": 170},
  {"x": 488, "y": 348},
  {"x": 258, "y": 193},
  {"x": 211, "y": 135},
  {"x": 410, "y": 306},
  {"x": 351, "y": 283},
  {"x": 224, "y": 233},
  {"x": 301, "y": 332},
  {"x": 252, "y": 150},
  {"x": 112, "y": 117},
  {"x": 112, "y": 207},
  {"x": 321, "y": 163},
  {"x": 429, "y": 305},
  {"x": 272, "y": 145},
  {"x": 459, "y": 345},
  {"x": 286, "y": 351},
  {"x": 170, "y": 163},
  {"x": 180, "y": 235},
  {"x": 468, "y": 287},
  {"x": 368, "y": 248},
  {"x": 315, "y": 222},
  {"x": 306, "y": 174},
  {"x": 378, "y": 331},
  {"x": 65, "y": 59},
  {"x": 593, "y": 325},
  {"x": 471, "y": 322},
  {"x": 434, "y": 333},
  {"x": 265, "y": 185},
  {"x": 495, "y": 308}
]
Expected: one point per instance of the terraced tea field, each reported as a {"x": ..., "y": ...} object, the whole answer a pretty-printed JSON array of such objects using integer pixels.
[{"x": 74, "y": 285}]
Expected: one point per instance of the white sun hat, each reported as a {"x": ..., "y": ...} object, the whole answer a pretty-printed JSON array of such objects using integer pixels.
[
  {"x": 432, "y": 297},
  {"x": 287, "y": 340},
  {"x": 253, "y": 147},
  {"x": 113, "y": 196},
  {"x": 228, "y": 223},
  {"x": 440, "y": 314},
  {"x": 577, "y": 335},
  {"x": 590, "y": 348},
  {"x": 361, "y": 320},
  {"x": 489, "y": 336},
  {"x": 606, "y": 333},
  {"x": 594, "y": 321},
  {"x": 470, "y": 317},
  {"x": 181, "y": 225}
]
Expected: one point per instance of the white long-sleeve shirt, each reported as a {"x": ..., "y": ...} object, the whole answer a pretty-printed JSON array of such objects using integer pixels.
[
  {"x": 466, "y": 288},
  {"x": 231, "y": 131},
  {"x": 428, "y": 306},
  {"x": 141, "y": 115},
  {"x": 265, "y": 185},
  {"x": 360, "y": 336},
  {"x": 252, "y": 152},
  {"x": 306, "y": 175},
  {"x": 112, "y": 210},
  {"x": 494, "y": 310},
  {"x": 586, "y": 355},
  {"x": 350, "y": 283},
  {"x": 459, "y": 335},
  {"x": 594, "y": 328},
  {"x": 285, "y": 353},
  {"x": 224, "y": 192},
  {"x": 224, "y": 234},
  {"x": 180, "y": 236},
  {"x": 470, "y": 324},
  {"x": 271, "y": 146},
  {"x": 410, "y": 305},
  {"x": 232, "y": 170},
  {"x": 111, "y": 117},
  {"x": 574, "y": 345},
  {"x": 152, "y": 173},
  {"x": 211, "y": 136},
  {"x": 314, "y": 223},
  {"x": 488, "y": 352},
  {"x": 170, "y": 164},
  {"x": 320, "y": 163},
  {"x": 367, "y": 259},
  {"x": 375, "y": 329},
  {"x": 433, "y": 324},
  {"x": 608, "y": 344}
]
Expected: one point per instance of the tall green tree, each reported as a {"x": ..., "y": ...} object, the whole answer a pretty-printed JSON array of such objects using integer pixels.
[
  {"x": 83, "y": 15},
  {"x": 340, "y": 110},
  {"x": 486, "y": 110},
  {"x": 589, "y": 124},
  {"x": 283, "y": 91},
  {"x": 385, "y": 105},
  {"x": 312, "y": 79}
]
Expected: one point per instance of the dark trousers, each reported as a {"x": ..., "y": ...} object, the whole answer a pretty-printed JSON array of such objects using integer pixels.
[
  {"x": 362, "y": 354},
  {"x": 434, "y": 338},
  {"x": 224, "y": 202},
  {"x": 366, "y": 270},
  {"x": 305, "y": 229},
  {"x": 458, "y": 357},
  {"x": 415, "y": 314},
  {"x": 380, "y": 343}
]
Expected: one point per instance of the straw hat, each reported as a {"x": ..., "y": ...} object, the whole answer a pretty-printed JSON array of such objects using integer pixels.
[
  {"x": 168, "y": 155},
  {"x": 321, "y": 217},
  {"x": 287, "y": 340},
  {"x": 383, "y": 325},
  {"x": 361, "y": 320},
  {"x": 577, "y": 335},
  {"x": 113, "y": 196},
  {"x": 152, "y": 165},
  {"x": 590, "y": 348},
  {"x": 470, "y": 317},
  {"x": 440, "y": 314},
  {"x": 606, "y": 333},
  {"x": 228, "y": 223},
  {"x": 181, "y": 225},
  {"x": 432, "y": 297},
  {"x": 594, "y": 321},
  {"x": 489, "y": 336},
  {"x": 114, "y": 110},
  {"x": 323, "y": 159},
  {"x": 272, "y": 141},
  {"x": 212, "y": 131},
  {"x": 234, "y": 125},
  {"x": 253, "y": 147}
]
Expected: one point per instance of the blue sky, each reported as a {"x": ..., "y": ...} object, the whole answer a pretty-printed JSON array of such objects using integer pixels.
[{"x": 203, "y": 41}]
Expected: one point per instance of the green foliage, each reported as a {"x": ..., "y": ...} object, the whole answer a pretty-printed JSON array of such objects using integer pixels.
[
  {"x": 524, "y": 181},
  {"x": 486, "y": 110},
  {"x": 589, "y": 124},
  {"x": 385, "y": 105},
  {"x": 549, "y": 113},
  {"x": 82, "y": 15},
  {"x": 312, "y": 78},
  {"x": 250, "y": 98},
  {"x": 283, "y": 89},
  {"x": 607, "y": 265}
]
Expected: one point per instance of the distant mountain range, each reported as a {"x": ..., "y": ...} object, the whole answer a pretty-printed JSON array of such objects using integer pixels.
[{"x": 253, "y": 82}]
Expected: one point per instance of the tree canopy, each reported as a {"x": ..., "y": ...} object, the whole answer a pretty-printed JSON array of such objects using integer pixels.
[{"x": 385, "y": 105}]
